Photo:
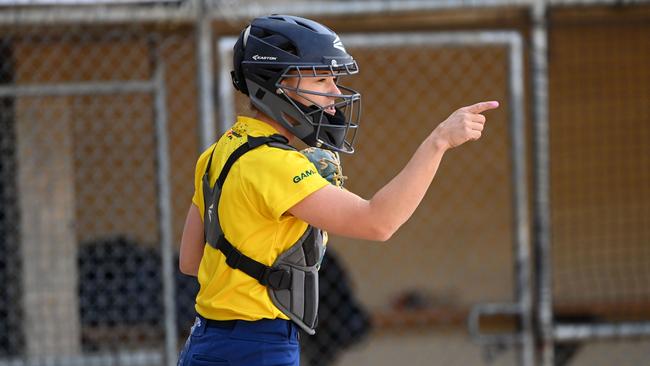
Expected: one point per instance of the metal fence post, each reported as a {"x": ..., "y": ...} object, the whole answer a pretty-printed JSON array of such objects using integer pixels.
[
  {"x": 541, "y": 159},
  {"x": 165, "y": 211},
  {"x": 521, "y": 228},
  {"x": 205, "y": 76}
]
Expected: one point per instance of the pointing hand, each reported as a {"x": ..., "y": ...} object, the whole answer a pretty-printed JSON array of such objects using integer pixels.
[{"x": 463, "y": 125}]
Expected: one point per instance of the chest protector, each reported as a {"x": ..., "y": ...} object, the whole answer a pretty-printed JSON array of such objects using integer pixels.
[{"x": 292, "y": 280}]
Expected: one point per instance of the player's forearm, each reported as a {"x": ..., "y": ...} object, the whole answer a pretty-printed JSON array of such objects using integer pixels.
[{"x": 394, "y": 204}]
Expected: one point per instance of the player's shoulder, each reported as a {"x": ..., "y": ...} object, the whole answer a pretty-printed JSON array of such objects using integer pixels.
[
  {"x": 274, "y": 155},
  {"x": 205, "y": 155},
  {"x": 224, "y": 146},
  {"x": 202, "y": 160}
]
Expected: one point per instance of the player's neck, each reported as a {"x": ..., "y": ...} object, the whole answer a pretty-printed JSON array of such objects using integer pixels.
[{"x": 273, "y": 123}]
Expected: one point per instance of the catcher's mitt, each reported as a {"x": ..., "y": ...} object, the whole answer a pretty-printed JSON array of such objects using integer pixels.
[{"x": 327, "y": 163}]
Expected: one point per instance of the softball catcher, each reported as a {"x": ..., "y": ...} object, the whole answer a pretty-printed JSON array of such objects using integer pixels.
[{"x": 254, "y": 233}]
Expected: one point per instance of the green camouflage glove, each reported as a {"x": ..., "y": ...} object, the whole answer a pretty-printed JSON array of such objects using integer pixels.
[{"x": 327, "y": 163}]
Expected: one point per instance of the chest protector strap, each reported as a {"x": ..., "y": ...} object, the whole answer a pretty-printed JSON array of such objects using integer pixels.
[{"x": 292, "y": 280}]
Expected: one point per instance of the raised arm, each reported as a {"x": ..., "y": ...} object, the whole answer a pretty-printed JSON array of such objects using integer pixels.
[{"x": 343, "y": 213}]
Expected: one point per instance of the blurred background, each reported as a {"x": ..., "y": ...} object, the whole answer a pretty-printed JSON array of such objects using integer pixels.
[{"x": 532, "y": 247}]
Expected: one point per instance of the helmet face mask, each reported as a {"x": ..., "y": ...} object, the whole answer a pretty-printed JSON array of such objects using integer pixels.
[
  {"x": 272, "y": 52},
  {"x": 334, "y": 131}
]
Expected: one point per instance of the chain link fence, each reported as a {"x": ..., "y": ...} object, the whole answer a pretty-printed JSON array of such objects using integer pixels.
[
  {"x": 101, "y": 125},
  {"x": 82, "y": 223},
  {"x": 600, "y": 155},
  {"x": 600, "y": 260},
  {"x": 457, "y": 249}
]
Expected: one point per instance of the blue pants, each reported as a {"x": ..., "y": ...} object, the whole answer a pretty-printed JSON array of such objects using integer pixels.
[{"x": 241, "y": 343}]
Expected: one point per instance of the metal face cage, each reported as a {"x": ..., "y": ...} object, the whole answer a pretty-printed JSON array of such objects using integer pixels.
[{"x": 333, "y": 131}]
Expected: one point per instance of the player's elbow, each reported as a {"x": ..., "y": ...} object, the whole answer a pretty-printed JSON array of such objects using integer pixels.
[
  {"x": 385, "y": 236},
  {"x": 382, "y": 233},
  {"x": 187, "y": 267},
  {"x": 374, "y": 228},
  {"x": 182, "y": 266}
]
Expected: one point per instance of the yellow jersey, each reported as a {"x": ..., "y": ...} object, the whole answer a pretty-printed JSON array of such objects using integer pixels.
[{"x": 261, "y": 186}]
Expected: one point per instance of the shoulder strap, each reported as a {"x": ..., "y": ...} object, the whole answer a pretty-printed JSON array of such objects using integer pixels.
[
  {"x": 253, "y": 142},
  {"x": 267, "y": 276}
]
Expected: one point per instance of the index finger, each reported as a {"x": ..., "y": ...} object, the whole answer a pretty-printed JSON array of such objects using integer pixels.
[{"x": 482, "y": 106}]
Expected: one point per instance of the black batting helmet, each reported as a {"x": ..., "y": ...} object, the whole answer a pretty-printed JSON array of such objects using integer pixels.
[{"x": 273, "y": 48}]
